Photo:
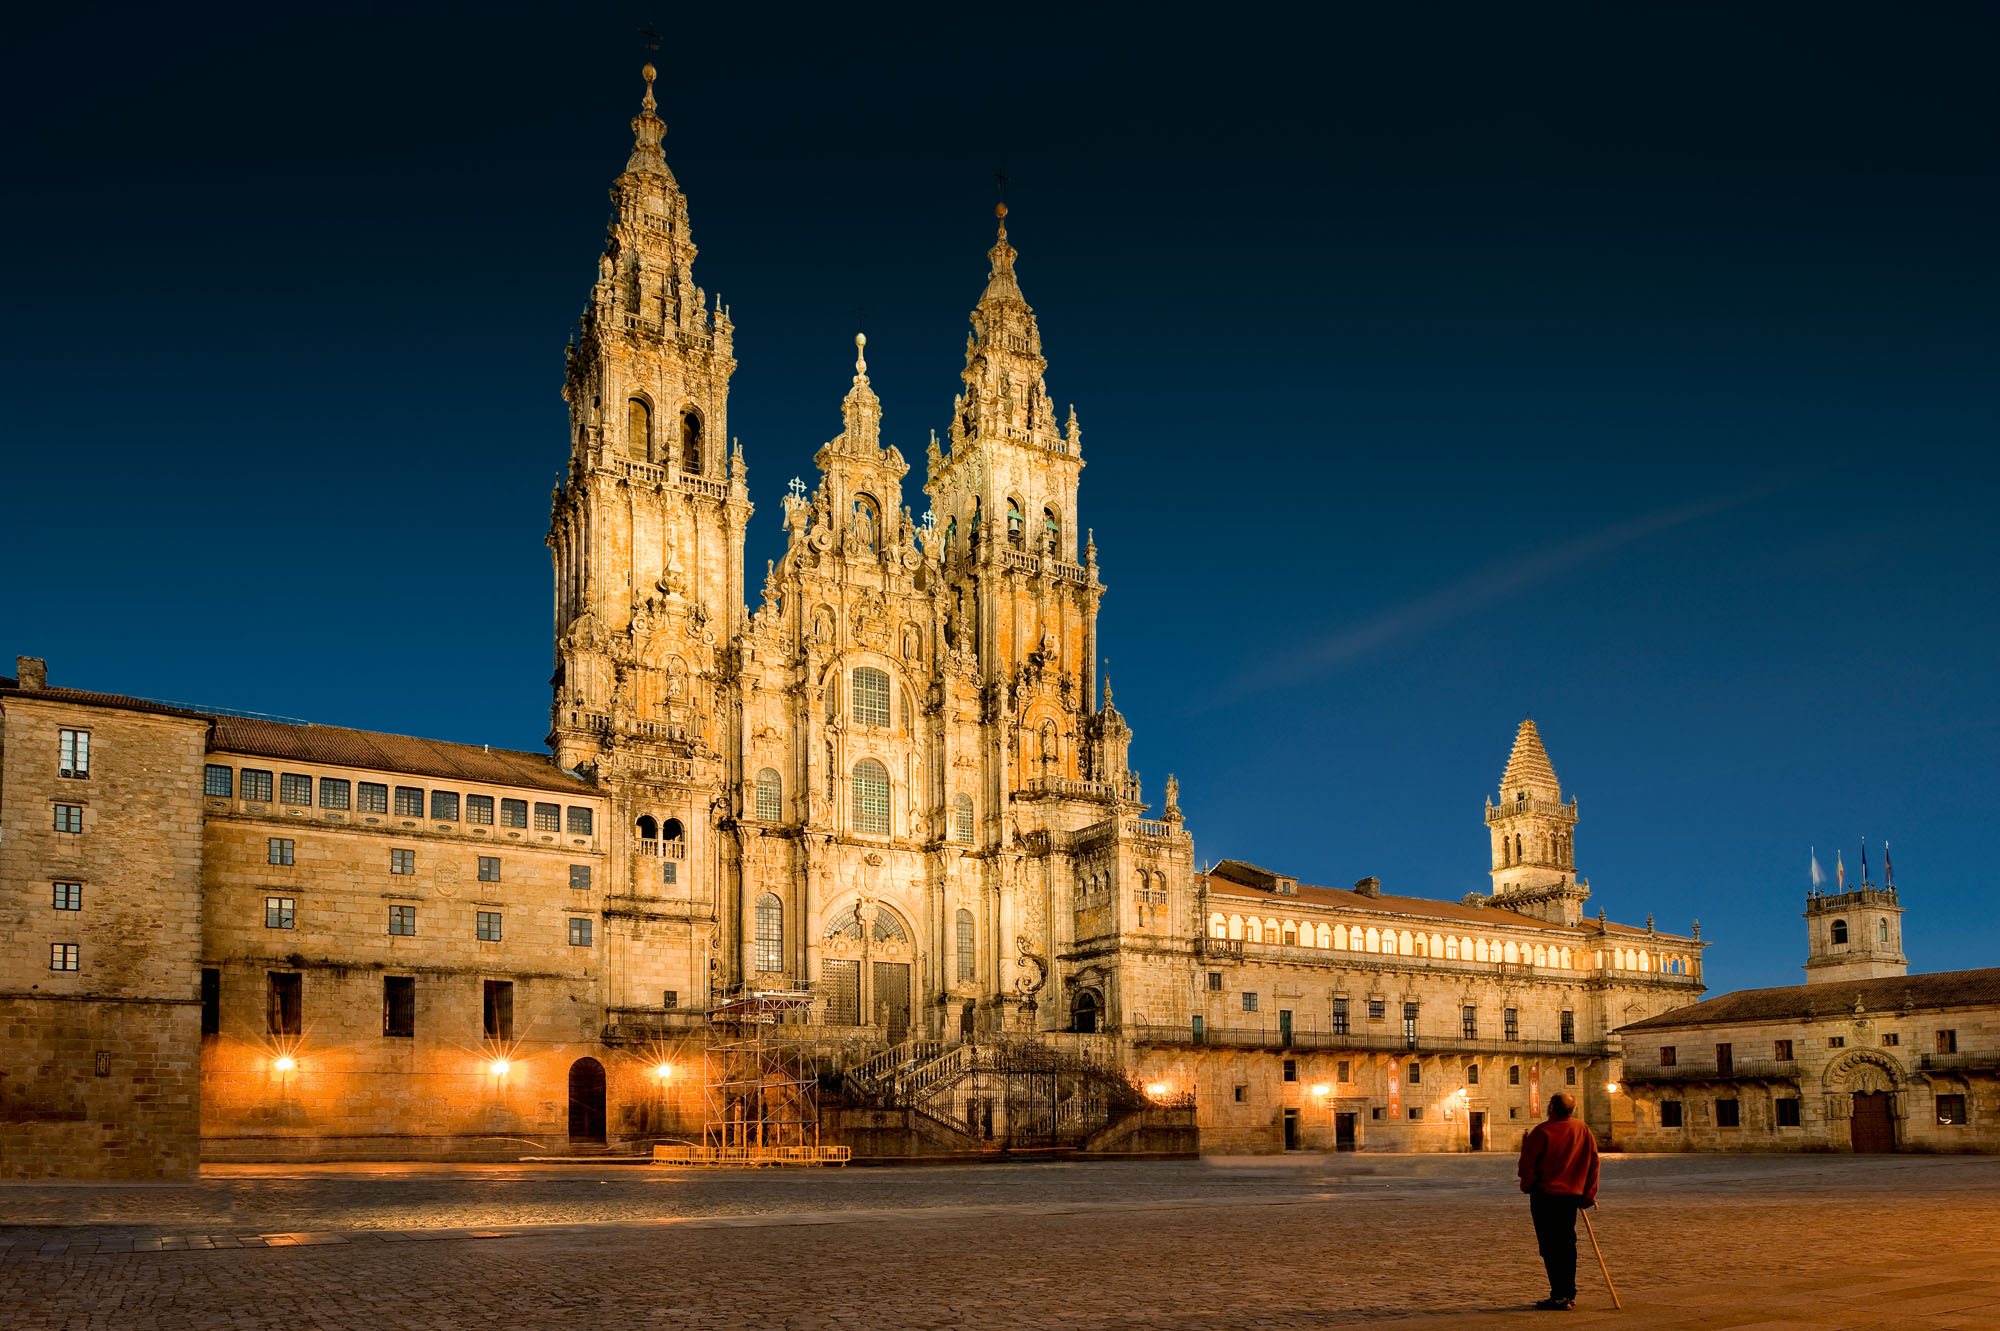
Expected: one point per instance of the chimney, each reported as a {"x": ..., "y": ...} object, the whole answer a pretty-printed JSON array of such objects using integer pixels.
[
  {"x": 32, "y": 672},
  {"x": 1370, "y": 886}
]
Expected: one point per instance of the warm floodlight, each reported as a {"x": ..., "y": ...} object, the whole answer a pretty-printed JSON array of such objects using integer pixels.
[
  {"x": 1158, "y": 1090},
  {"x": 663, "y": 1071},
  {"x": 498, "y": 1067},
  {"x": 1611, "y": 1086},
  {"x": 284, "y": 1063},
  {"x": 1321, "y": 1090}
]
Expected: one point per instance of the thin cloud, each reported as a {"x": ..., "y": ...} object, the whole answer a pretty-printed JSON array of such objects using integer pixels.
[{"x": 1479, "y": 590}]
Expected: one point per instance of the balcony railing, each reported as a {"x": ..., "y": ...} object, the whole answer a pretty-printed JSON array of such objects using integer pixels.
[
  {"x": 675, "y": 849},
  {"x": 1742, "y": 1069},
  {"x": 1275, "y": 1037}
]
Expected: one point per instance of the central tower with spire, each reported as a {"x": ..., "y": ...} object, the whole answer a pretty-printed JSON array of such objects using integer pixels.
[{"x": 1534, "y": 836}]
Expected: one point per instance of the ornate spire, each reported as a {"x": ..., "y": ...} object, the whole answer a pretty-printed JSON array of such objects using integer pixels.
[
  {"x": 647, "y": 132},
  {"x": 1001, "y": 286},
  {"x": 861, "y": 409},
  {"x": 1529, "y": 768}
]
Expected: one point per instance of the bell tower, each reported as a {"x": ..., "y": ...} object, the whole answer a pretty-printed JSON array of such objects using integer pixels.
[
  {"x": 1534, "y": 836},
  {"x": 1854, "y": 934}
]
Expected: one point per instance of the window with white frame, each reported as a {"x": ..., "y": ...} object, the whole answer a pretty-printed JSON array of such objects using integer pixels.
[
  {"x": 280, "y": 912},
  {"x": 73, "y": 758},
  {"x": 871, "y": 696},
  {"x": 67, "y": 896},
  {"x": 770, "y": 949},
  {"x": 770, "y": 796},
  {"x": 871, "y": 798},
  {"x": 64, "y": 956},
  {"x": 961, "y": 818}
]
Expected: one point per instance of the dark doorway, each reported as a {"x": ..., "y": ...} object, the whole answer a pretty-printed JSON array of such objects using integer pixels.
[
  {"x": 1285, "y": 1027},
  {"x": 586, "y": 1100},
  {"x": 1291, "y": 1129},
  {"x": 1083, "y": 1018},
  {"x": 965, "y": 1022},
  {"x": 1343, "y": 1132},
  {"x": 892, "y": 999},
  {"x": 1478, "y": 1120},
  {"x": 1872, "y": 1129}
]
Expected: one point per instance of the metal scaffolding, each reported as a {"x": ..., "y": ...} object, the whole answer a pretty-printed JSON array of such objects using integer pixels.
[{"x": 759, "y": 1084}]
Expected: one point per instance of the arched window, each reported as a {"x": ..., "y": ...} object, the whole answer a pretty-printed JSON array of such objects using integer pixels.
[
  {"x": 639, "y": 429},
  {"x": 1236, "y": 926},
  {"x": 1253, "y": 930},
  {"x": 1506, "y": 851},
  {"x": 1477, "y": 952},
  {"x": 1513, "y": 953},
  {"x": 961, "y": 818},
  {"x": 1403, "y": 944},
  {"x": 887, "y": 928},
  {"x": 1374, "y": 939},
  {"x": 1840, "y": 931},
  {"x": 1217, "y": 926},
  {"x": 1882, "y": 930},
  {"x": 1051, "y": 531},
  {"x": 867, "y": 521},
  {"x": 1451, "y": 949},
  {"x": 1541, "y": 955},
  {"x": 770, "y": 797},
  {"x": 968, "y": 960},
  {"x": 770, "y": 951},
  {"x": 1290, "y": 935},
  {"x": 691, "y": 442},
  {"x": 871, "y": 798},
  {"x": 871, "y": 696},
  {"x": 1016, "y": 523},
  {"x": 978, "y": 515},
  {"x": 1323, "y": 937},
  {"x": 1437, "y": 947},
  {"x": 648, "y": 829},
  {"x": 1517, "y": 848}
]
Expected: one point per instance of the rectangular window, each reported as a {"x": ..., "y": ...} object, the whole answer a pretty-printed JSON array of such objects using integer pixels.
[
  {"x": 1782, "y": 1050},
  {"x": 64, "y": 956},
  {"x": 409, "y": 802},
  {"x": 968, "y": 948},
  {"x": 280, "y": 912},
  {"x": 1415, "y": 1113},
  {"x": 1468, "y": 1022},
  {"x": 256, "y": 785},
  {"x": 399, "y": 1005},
  {"x": 1249, "y": 1002},
  {"x": 335, "y": 792},
  {"x": 1289, "y": 1070},
  {"x": 294, "y": 788},
  {"x": 1410, "y": 1025},
  {"x": 1416, "y": 1074},
  {"x": 69, "y": 817},
  {"x": 403, "y": 921},
  {"x": 444, "y": 806},
  {"x": 218, "y": 781},
  {"x": 499, "y": 1010},
  {"x": 68, "y": 896},
  {"x": 1788, "y": 1112},
  {"x": 284, "y": 1006},
  {"x": 1728, "y": 1114},
  {"x": 371, "y": 797},
  {"x": 1242, "y": 1094},
  {"x": 211, "y": 1001},
  {"x": 1947, "y": 1042},
  {"x": 513, "y": 813},
  {"x": 1215, "y": 982},
  {"x": 479, "y": 810},
  {"x": 1471, "y": 1074},
  {"x": 74, "y": 754},
  {"x": 1670, "y": 1113},
  {"x": 1568, "y": 1028},
  {"x": 489, "y": 868},
  {"x": 667, "y": 874},
  {"x": 402, "y": 861},
  {"x": 871, "y": 697},
  {"x": 670, "y": 999},
  {"x": 579, "y": 933},
  {"x": 1669, "y": 1056},
  {"x": 579, "y": 877},
  {"x": 1569, "y": 1076},
  {"x": 1836, "y": 1042},
  {"x": 1340, "y": 1016},
  {"x": 1510, "y": 1023},
  {"x": 486, "y": 928},
  {"x": 1891, "y": 1039},
  {"x": 1514, "y": 1074},
  {"x": 1343, "y": 1071},
  {"x": 579, "y": 820},
  {"x": 1725, "y": 1060},
  {"x": 279, "y": 850},
  {"x": 1377, "y": 1009},
  {"x": 548, "y": 817},
  {"x": 1951, "y": 1111}
]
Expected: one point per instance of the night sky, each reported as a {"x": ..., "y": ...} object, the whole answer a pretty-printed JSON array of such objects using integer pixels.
[{"x": 1632, "y": 367}]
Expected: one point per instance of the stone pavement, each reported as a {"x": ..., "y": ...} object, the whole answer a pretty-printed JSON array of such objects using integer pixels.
[{"x": 1742, "y": 1243}]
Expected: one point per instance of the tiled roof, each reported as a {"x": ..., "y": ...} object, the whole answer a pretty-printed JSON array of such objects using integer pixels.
[
  {"x": 1834, "y": 998},
  {"x": 85, "y": 698},
  {"x": 396, "y": 753},
  {"x": 1244, "y": 879}
]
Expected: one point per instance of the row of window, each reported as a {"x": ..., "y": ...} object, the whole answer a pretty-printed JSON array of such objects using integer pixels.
[
  {"x": 283, "y": 851},
  {"x": 871, "y": 798},
  {"x": 1378, "y": 1010},
  {"x": 296, "y": 789},
  {"x": 282, "y": 913},
  {"x": 1785, "y": 1112},
  {"x": 768, "y": 952},
  {"x": 1944, "y": 1042},
  {"x": 1412, "y": 1074},
  {"x": 284, "y": 1005}
]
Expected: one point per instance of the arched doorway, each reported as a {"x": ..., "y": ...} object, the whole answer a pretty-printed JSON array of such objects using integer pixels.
[
  {"x": 1084, "y": 1012},
  {"x": 586, "y": 1100}
]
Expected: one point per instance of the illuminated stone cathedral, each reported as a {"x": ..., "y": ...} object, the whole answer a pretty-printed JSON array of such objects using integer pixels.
[{"x": 894, "y": 788}]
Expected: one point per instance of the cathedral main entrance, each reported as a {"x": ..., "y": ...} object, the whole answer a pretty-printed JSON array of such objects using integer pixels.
[{"x": 1871, "y": 1130}]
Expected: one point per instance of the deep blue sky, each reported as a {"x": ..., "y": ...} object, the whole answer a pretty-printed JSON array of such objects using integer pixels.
[{"x": 1633, "y": 366}]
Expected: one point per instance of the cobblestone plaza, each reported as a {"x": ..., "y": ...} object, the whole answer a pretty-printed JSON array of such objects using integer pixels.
[{"x": 1703, "y": 1242}]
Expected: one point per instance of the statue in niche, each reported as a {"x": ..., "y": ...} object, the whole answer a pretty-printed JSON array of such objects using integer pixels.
[
  {"x": 865, "y": 526},
  {"x": 1048, "y": 742}
]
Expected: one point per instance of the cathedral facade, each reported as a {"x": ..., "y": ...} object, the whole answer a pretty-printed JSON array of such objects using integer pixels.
[{"x": 887, "y": 783}]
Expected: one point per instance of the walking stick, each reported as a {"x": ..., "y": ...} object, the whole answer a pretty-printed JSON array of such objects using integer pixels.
[{"x": 1592, "y": 1231}]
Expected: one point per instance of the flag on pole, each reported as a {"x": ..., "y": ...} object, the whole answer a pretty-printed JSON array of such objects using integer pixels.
[
  {"x": 1839, "y": 872},
  {"x": 1818, "y": 874},
  {"x": 1864, "y": 861},
  {"x": 1888, "y": 866}
]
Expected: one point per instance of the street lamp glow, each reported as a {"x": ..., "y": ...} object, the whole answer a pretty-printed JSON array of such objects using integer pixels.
[
  {"x": 284, "y": 1063},
  {"x": 498, "y": 1067},
  {"x": 663, "y": 1070},
  {"x": 1158, "y": 1090},
  {"x": 1321, "y": 1089},
  {"x": 1611, "y": 1086}
]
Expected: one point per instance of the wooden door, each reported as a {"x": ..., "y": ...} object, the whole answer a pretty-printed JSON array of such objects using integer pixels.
[
  {"x": 1871, "y": 1128},
  {"x": 1291, "y": 1129},
  {"x": 1343, "y": 1132}
]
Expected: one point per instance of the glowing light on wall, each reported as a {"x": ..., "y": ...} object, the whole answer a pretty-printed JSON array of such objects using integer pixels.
[
  {"x": 1611, "y": 1086},
  {"x": 664, "y": 1071},
  {"x": 1158, "y": 1090},
  {"x": 284, "y": 1063},
  {"x": 499, "y": 1067},
  {"x": 1322, "y": 1090}
]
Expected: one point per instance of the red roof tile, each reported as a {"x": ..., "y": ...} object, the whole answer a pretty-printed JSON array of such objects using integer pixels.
[
  {"x": 340, "y": 746},
  {"x": 1833, "y": 998}
]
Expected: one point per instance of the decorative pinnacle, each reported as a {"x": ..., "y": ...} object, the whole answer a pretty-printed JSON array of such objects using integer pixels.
[
  {"x": 649, "y": 74},
  {"x": 860, "y": 355}
]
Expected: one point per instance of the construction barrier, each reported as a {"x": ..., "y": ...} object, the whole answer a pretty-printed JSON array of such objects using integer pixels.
[{"x": 751, "y": 1157}]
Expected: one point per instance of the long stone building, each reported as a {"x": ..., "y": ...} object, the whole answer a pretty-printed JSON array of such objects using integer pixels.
[{"x": 893, "y": 788}]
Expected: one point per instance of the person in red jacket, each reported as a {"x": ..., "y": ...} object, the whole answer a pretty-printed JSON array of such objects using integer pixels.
[{"x": 1559, "y": 1174}]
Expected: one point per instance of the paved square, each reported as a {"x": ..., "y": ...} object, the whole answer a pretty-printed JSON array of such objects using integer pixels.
[{"x": 1707, "y": 1242}]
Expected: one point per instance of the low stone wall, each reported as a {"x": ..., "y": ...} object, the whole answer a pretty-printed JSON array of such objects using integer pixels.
[{"x": 99, "y": 1089}]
